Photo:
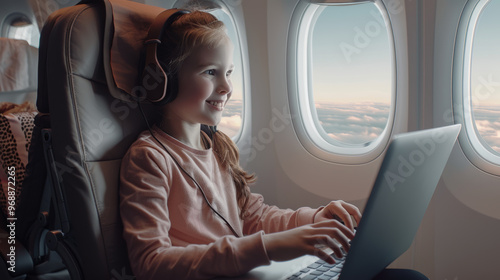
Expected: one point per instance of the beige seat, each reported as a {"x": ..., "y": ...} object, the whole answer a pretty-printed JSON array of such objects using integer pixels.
[
  {"x": 18, "y": 71},
  {"x": 18, "y": 81},
  {"x": 88, "y": 132}
]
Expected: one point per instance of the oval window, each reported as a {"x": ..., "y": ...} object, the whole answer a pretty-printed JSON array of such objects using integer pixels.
[
  {"x": 344, "y": 78},
  {"x": 19, "y": 27}
]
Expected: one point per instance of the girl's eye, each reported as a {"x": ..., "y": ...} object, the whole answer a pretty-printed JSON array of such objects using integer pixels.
[
  {"x": 210, "y": 72},
  {"x": 228, "y": 73}
]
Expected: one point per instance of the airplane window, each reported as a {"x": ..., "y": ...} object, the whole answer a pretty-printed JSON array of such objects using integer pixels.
[
  {"x": 20, "y": 27},
  {"x": 484, "y": 90},
  {"x": 347, "y": 90},
  {"x": 232, "y": 117}
]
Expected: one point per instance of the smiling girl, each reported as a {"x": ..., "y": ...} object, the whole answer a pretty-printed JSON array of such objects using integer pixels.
[{"x": 186, "y": 205}]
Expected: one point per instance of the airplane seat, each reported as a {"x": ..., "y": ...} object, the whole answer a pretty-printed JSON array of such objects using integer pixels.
[
  {"x": 18, "y": 78},
  {"x": 18, "y": 68},
  {"x": 85, "y": 125},
  {"x": 18, "y": 83},
  {"x": 18, "y": 63}
]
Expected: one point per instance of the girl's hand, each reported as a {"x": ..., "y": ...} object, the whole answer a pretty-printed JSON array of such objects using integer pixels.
[
  {"x": 339, "y": 210},
  {"x": 309, "y": 240}
]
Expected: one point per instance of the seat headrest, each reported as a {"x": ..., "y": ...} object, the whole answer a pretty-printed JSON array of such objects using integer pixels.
[
  {"x": 18, "y": 65},
  {"x": 130, "y": 22}
]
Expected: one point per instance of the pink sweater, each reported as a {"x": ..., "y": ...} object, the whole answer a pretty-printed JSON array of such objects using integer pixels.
[{"x": 170, "y": 231}]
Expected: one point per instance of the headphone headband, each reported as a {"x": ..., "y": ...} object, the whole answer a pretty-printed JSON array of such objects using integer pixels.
[{"x": 156, "y": 91}]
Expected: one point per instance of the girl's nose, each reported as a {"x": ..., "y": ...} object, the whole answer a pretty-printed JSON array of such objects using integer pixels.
[{"x": 225, "y": 86}]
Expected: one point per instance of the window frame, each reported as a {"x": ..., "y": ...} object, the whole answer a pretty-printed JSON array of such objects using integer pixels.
[
  {"x": 307, "y": 126},
  {"x": 7, "y": 24},
  {"x": 471, "y": 142}
]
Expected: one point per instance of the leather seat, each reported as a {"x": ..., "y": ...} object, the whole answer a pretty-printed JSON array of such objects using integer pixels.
[{"x": 89, "y": 131}]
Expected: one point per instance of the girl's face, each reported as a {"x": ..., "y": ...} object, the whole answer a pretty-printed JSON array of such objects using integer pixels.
[{"x": 204, "y": 85}]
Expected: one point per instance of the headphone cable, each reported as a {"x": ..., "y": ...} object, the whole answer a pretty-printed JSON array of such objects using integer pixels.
[{"x": 187, "y": 174}]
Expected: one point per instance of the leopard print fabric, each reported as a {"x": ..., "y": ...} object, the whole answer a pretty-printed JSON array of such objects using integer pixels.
[{"x": 14, "y": 148}]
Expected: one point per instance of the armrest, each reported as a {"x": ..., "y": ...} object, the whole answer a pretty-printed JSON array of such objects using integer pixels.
[{"x": 13, "y": 254}]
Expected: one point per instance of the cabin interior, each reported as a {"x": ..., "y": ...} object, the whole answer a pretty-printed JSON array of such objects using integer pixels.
[{"x": 423, "y": 77}]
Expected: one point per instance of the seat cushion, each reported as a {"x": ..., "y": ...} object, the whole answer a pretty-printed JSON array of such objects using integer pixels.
[{"x": 18, "y": 61}]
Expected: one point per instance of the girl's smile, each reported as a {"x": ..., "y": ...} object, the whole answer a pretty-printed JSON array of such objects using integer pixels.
[{"x": 217, "y": 105}]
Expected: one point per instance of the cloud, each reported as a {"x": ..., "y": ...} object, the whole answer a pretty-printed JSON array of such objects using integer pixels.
[
  {"x": 231, "y": 121},
  {"x": 353, "y": 123},
  {"x": 360, "y": 123},
  {"x": 488, "y": 125},
  {"x": 354, "y": 119},
  {"x": 230, "y": 125}
]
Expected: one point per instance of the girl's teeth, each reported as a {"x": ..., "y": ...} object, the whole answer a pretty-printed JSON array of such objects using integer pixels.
[{"x": 216, "y": 104}]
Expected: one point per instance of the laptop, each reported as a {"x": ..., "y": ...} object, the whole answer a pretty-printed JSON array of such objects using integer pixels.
[{"x": 405, "y": 183}]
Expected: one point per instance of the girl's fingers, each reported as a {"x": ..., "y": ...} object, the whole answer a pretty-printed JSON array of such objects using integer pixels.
[
  {"x": 333, "y": 238},
  {"x": 343, "y": 211},
  {"x": 335, "y": 247},
  {"x": 353, "y": 210},
  {"x": 343, "y": 240},
  {"x": 345, "y": 217},
  {"x": 318, "y": 252},
  {"x": 334, "y": 224}
]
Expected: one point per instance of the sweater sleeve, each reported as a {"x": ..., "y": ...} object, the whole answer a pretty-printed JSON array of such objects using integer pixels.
[
  {"x": 260, "y": 216},
  {"x": 144, "y": 196}
]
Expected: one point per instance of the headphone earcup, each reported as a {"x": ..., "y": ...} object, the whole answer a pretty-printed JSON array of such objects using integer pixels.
[{"x": 160, "y": 93}]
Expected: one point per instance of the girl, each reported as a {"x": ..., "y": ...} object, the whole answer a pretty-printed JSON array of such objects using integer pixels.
[{"x": 186, "y": 206}]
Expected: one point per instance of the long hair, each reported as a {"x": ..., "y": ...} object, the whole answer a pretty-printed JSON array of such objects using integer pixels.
[{"x": 187, "y": 32}]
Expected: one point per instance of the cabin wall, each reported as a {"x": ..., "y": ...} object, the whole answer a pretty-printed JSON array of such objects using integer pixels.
[
  {"x": 21, "y": 7},
  {"x": 466, "y": 209},
  {"x": 454, "y": 240}
]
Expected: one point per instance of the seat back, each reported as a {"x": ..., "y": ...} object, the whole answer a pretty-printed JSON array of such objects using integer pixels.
[
  {"x": 18, "y": 75},
  {"x": 18, "y": 82},
  {"x": 90, "y": 132},
  {"x": 18, "y": 63}
]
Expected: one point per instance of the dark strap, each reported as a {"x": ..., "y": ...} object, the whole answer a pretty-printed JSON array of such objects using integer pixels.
[
  {"x": 106, "y": 51},
  {"x": 209, "y": 130}
]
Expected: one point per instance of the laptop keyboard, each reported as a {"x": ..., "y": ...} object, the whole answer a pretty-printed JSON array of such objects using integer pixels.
[{"x": 320, "y": 270}]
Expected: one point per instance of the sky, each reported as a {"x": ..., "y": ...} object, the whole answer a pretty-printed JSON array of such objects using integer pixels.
[
  {"x": 485, "y": 70},
  {"x": 350, "y": 44},
  {"x": 485, "y": 75}
]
